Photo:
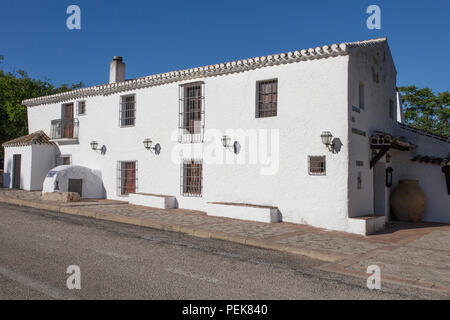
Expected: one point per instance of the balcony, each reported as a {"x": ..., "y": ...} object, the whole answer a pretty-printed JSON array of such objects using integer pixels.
[{"x": 64, "y": 130}]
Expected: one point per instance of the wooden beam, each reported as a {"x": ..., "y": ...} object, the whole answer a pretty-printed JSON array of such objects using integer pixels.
[{"x": 382, "y": 151}]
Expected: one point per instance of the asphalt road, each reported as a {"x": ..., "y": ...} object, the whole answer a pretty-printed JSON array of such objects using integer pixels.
[{"x": 119, "y": 261}]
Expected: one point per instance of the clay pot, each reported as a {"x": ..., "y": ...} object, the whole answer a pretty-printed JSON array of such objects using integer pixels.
[{"x": 408, "y": 201}]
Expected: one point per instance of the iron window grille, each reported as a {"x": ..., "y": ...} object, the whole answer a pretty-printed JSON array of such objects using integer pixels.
[
  {"x": 266, "y": 98},
  {"x": 191, "y": 178},
  {"x": 66, "y": 128},
  {"x": 127, "y": 177},
  {"x": 127, "y": 112},
  {"x": 191, "y": 120},
  {"x": 63, "y": 160},
  {"x": 316, "y": 165},
  {"x": 81, "y": 106}
]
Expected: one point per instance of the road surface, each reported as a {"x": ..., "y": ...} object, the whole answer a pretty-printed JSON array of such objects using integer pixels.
[{"x": 119, "y": 261}]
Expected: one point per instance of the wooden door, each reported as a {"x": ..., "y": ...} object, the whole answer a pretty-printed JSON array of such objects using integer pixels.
[
  {"x": 68, "y": 121},
  {"x": 17, "y": 160},
  {"x": 128, "y": 177}
]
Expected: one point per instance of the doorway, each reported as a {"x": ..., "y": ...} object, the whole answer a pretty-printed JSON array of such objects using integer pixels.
[
  {"x": 17, "y": 161},
  {"x": 68, "y": 120},
  {"x": 76, "y": 185},
  {"x": 379, "y": 189}
]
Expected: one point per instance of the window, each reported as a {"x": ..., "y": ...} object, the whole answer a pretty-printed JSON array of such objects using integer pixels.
[
  {"x": 266, "y": 98},
  {"x": 191, "y": 178},
  {"x": 361, "y": 96},
  {"x": 126, "y": 177},
  {"x": 127, "y": 114},
  {"x": 191, "y": 117},
  {"x": 81, "y": 106},
  {"x": 316, "y": 165},
  {"x": 391, "y": 109},
  {"x": 63, "y": 159}
]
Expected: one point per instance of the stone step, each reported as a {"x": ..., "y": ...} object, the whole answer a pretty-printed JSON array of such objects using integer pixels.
[
  {"x": 244, "y": 211},
  {"x": 153, "y": 200},
  {"x": 366, "y": 225}
]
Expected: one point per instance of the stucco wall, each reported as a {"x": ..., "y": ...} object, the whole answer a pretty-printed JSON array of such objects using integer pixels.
[
  {"x": 312, "y": 97},
  {"x": 43, "y": 157},
  {"x": 430, "y": 176},
  {"x": 25, "y": 174},
  {"x": 374, "y": 67}
]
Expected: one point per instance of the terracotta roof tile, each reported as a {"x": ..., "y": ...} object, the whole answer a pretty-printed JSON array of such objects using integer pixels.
[{"x": 38, "y": 137}]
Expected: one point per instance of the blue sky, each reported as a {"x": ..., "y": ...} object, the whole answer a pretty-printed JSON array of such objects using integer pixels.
[{"x": 160, "y": 36}]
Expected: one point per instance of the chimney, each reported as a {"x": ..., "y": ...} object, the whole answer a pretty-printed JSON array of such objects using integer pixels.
[{"x": 116, "y": 70}]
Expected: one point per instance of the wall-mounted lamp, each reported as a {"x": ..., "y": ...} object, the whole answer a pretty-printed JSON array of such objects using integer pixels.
[
  {"x": 148, "y": 145},
  {"x": 388, "y": 158},
  {"x": 389, "y": 176},
  {"x": 94, "y": 146},
  {"x": 327, "y": 138},
  {"x": 226, "y": 143}
]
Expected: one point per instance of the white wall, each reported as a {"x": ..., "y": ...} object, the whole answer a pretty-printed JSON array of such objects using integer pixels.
[
  {"x": 43, "y": 159},
  {"x": 312, "y": 98},
  {"x": 374, "y": 67},
  {"x": 25, "y": 174},
  {"x": 430, "y": 176}
]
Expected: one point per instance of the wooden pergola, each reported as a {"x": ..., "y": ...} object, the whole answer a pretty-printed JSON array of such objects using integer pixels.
[{"x": 382, "y": 142}]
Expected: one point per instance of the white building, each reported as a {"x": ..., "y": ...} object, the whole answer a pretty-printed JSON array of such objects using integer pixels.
[{"x": 274, "y": 112}]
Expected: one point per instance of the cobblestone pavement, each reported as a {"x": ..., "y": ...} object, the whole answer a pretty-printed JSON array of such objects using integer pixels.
[{"x": 414, "y": 254}]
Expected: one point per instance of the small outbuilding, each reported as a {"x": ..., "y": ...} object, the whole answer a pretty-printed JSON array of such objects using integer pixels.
[{"x": 27, "y": 161}]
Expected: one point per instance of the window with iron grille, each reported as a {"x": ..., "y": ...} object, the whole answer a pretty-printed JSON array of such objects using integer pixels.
[
  {"x": 127, "y": 179},
  {"x": 191, "y": 121},
  {"x": 127, "y": 113},
  {"x": 316, "y": 165},
  {"x": 191, "y": 178},
  {"x": 266, "y": 98},
  {"x": 63, "y": 159},
  {"x": 81, "y": 106}
]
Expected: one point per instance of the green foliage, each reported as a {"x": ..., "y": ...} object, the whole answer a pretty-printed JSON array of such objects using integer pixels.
[
  {"x": 14, "y": 88},
  {"x": 425, "y": 110}
]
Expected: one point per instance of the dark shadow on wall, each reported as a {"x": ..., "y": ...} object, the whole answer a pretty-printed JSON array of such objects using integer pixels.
[{"x": 337, "y": 145}]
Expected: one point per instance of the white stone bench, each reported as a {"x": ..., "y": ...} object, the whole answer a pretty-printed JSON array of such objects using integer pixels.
[
  {"x": 244, "y": 211},
  {"x": 366, "y": 225},
  {"x": 153, "y": 200}
]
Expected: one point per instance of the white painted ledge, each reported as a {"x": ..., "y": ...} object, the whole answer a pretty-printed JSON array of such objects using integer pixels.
[
  {"x": 244, "y": 212},
  {"x": 366, "y": 225},
  {"x": 152, "y": 200}
]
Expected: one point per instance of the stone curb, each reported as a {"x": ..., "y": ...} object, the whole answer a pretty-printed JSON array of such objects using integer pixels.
[{"x": 192, "y": 231}]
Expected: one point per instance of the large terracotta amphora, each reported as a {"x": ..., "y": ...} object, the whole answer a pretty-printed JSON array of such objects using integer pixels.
[{"x": 408, "y": 201}]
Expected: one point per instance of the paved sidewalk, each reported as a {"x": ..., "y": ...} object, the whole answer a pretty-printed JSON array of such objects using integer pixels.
[{"x": 414, "y": 254}]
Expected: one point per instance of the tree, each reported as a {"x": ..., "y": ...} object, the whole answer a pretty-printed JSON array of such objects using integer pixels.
[
  {"x": 14, "y": 88},
  {"x": 425, "y": 110}
]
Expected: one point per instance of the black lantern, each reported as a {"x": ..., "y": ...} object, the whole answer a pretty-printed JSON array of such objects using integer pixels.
[
  {"x": 389, "y": 176},
  {"x": 147, "y": 143},
  {"x": 326, "y": 138},
  {"x": 94, "y": 145},
  {"x": 226, "y": 141}
]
